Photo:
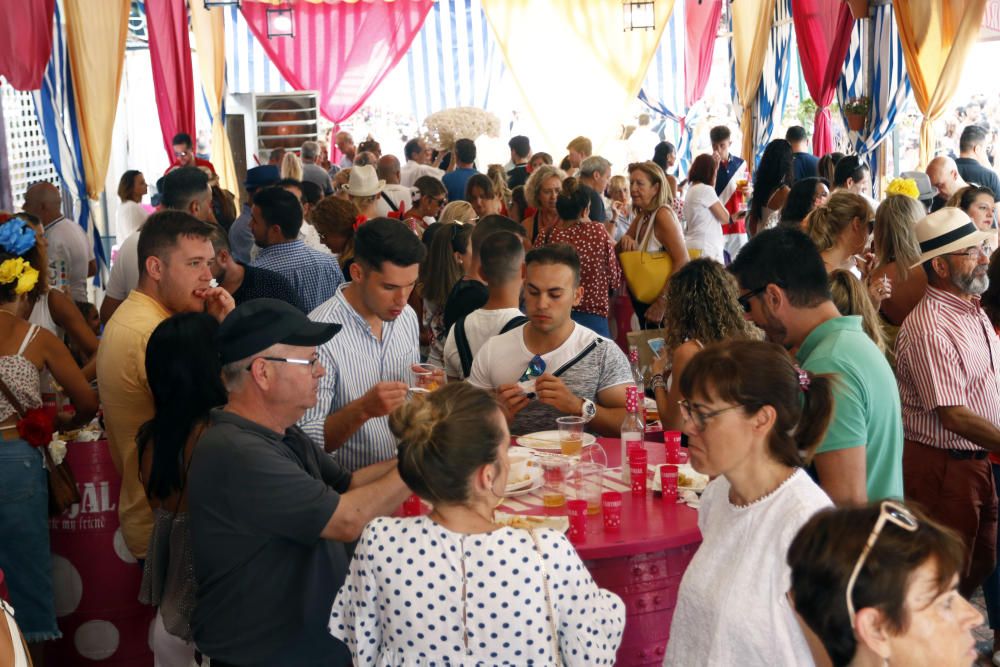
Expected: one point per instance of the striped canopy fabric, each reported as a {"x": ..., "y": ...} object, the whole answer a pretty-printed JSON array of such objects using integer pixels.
[
  {"x": 663, "y": 90},
  {"x": 248, "y": 68}
]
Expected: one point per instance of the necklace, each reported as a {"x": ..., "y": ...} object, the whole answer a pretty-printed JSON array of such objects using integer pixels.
[{"x": 764, "y": 497}]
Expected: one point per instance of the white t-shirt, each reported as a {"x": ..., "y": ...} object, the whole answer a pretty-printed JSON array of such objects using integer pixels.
[
  {"x": 731, "y": 606},
  {"x": 398, "y": 194},
  {"x": 130, "y": 217},
  {"x": 125, "y": 270},
  {"x": 411, "y": 171},
  {"x": 702, "y": 230},
  {"x": 480, "y": 326},
  {"x": 69, "y": 248}
]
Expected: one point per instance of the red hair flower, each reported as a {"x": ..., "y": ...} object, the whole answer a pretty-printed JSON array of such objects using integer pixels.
[{"x": 358, "y": 221}]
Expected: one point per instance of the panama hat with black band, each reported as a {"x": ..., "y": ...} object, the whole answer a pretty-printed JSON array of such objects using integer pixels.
[{"x": 945, "y": 231}]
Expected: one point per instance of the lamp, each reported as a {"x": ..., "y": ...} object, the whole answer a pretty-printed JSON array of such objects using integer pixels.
[
  {"x": 639, "y": 15},
  {"x": 222, "y": 3},
  {"x": 280, "y": 23}
]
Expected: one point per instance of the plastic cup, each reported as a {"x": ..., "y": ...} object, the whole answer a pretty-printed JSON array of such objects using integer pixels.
[
  {"x": 611, "y": 506},
  {"x": 672, "y": 446},
  {"x": 425, "y": 378},
  {"x": 637, "y": 459},
  {"x": 554, "y": 469},
  {"x": 577, "y": 512},
  {"x": 668, "y": 482},
  {"x": 570, "y": 434},
  {"x": 588, "y": 484},
  {"x": 412, "y": 506}
]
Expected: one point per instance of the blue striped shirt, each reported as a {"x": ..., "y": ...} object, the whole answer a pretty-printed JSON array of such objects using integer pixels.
[
  {"x": 355, "y": 361},
  {"x": 314, "y": 276}
]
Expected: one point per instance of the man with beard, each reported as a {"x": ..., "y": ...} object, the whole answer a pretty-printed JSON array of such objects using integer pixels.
[
  {"x": 948, "y": 358},
  {"x": 785, "y": 292}
]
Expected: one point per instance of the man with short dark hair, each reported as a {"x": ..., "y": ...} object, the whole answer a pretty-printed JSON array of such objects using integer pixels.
[
  {"x": 454, "y": 181},
  {"x": 732, "y": 171},
  {"x": 595, "y": 173},
  {"x": 502, "y": 267},
  {"x": 175, "y": 273},
  {"x": 270, "y": 513},
  {"x": 277, "y": 219},
  {"x": 583, "y": 374},
  {"x": 311, "y": 171},
  {"x": 370, "y": 369},
  {"x": 805, "y": 165},
  {"x": 246, "y": 282},
  {"x": 184, "y": 154},
  {"x": 852, "y": 175},
  {"x": 520, "y": 157},
  {"x": 785, "y": 291},
  {"x": 418, "y": 162},
  {"x": 972, "y": 164}
]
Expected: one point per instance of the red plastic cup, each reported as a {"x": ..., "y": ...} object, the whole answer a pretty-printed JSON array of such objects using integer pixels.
[
  {"x": 412, "y": 506},
  {"x": 611, "y": 508},
  {"x": 637, "y": 459},
  {"x": 672, "y": 446},
  {"x": 668, "y": 482},
  {"x": 577, "y": 512}
]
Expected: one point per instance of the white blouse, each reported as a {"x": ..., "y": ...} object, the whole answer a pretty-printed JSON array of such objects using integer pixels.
[
  {"x": 702, "y": 230},
  {"x": 403, "y": 604}
]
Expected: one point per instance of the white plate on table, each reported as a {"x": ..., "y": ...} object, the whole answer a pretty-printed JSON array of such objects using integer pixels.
[
  {"x": 695, "y": 480},
  {"x": 529, "y": 481},
  {"x": 528, "y": 521},
  {"x": 548, "y": 441}
]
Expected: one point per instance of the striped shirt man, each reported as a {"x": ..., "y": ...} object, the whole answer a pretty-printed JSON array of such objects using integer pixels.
[
  {"x": 947, "y": 354},
  {"x": 314, "y": 276},
  {"x": 355, "y": 361}
]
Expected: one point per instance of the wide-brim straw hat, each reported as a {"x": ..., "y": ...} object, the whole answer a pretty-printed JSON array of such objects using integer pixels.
[
  {"x": 947, "y": 230},
  {"x": 364, "y": 182}
]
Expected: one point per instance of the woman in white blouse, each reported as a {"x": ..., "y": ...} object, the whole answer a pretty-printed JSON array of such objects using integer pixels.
[
  {"x": 454, "y": 587},
  {"x": 704, "y": 214},
  {"x": 750, "y": 416},
  {"x": 131, "y": 189}
]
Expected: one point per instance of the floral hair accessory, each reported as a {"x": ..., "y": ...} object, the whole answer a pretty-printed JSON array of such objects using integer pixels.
[
  {"x": 36, "y": 427},
  {"x": 903, "y": 186},
  {"x": 804, "y": 380},
  {"x": 21, "y": 271},
  {"x": 16, "y": 236}
]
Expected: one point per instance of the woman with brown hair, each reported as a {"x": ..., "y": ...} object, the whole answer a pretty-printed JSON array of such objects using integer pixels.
[
  {"x": 335, "y": 221},
  {"x": 448, "y": 260},
  {"x": 753, "y": 420},
  {"x": 840, "y": 230},
  {"x": 131, "y": 189},
  {"x": 480, "y": 192},
  {"x": 704, "y": 214},
  {"x": 541, "y": 191},
  {"x": 851, "y": 298}
]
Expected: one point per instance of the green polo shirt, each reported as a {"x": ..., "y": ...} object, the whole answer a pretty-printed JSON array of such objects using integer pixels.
[{"x": 866, "y": 410}]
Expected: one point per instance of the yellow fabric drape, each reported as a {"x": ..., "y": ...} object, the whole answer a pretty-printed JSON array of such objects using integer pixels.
[
  {"x": 936, "y": 38},
  {"x": 95, "y": 40},
  {"x": 210, "y": 40},
  {"x": 751, "y": 30},
  {"x": 576, "y": 68}
]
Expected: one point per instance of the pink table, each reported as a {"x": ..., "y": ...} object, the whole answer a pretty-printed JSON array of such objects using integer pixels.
[{"x": 643, "y": 562}]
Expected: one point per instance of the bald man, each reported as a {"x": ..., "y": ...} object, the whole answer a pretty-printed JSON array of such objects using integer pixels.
[
  {"x": 944, "y": 176},
  {"x": 70, "y": 255},
  {"x": 394, "y": 196}
]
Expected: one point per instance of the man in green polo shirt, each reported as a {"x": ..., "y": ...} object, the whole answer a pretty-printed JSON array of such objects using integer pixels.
[{"x": 785, "y": 292}]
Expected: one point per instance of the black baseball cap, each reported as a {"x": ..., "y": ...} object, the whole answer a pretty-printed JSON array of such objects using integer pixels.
[{"x": 258, "y": 324}]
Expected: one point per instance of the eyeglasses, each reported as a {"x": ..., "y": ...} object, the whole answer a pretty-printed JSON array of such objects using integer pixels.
[
  {"x": 895, "y": 514},
  {"x": 744, "y": 300},
  {"x": 697, "y": 417},
  {"x": 535, "y": 369},
  {"x": 181, "y": 153},
  {"x": 984, "y": 250},
  {"x": 311, "y": 362}
]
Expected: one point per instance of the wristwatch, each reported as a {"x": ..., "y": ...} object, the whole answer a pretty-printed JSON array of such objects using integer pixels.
[{"x": 589, "y": 410}]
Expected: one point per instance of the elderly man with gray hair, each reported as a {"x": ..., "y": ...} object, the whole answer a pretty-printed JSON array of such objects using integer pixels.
[
  {"x": 270, "y": 512},
  {"x": 311, "y": 171},
  {"x": 595, "y": 172}
]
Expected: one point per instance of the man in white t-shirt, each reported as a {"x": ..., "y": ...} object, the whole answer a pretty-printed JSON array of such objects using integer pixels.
[
  {"x": 70, "y": 253},
  {"x": 501, "y": 264},
  {"x": 418, "y": 163},
  {"x": 584, "y": 373},
  {"x": 400, "y": 196}
]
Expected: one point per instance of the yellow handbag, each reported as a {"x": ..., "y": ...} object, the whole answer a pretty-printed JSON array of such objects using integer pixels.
[{"x": 646, "y": 273}]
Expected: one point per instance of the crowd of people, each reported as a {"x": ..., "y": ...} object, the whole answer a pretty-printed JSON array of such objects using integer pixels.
[{"x": 832, "y": 360}]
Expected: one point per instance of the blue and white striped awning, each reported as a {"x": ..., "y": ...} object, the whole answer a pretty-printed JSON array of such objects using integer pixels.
[
  {"x": 773, "y": 91},
  {"x": 248, "y": 67},
  {"x": 663, "y": 90}
]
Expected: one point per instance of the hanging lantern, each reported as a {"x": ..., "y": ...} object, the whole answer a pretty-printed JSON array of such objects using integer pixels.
[
  {"x": 639, "y": 15},
  {"x": 280, "y": 23},
  {"x": 209, "y": 4}
]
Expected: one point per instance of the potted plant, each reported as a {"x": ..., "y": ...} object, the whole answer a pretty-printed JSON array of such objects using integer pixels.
[
  {"x": 856, "y": 111},
  {"x": 859, "y": 8}
]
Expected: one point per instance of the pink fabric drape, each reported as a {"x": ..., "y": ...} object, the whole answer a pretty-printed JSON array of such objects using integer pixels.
[
  {"x": 702, "y": 20},
  {"x": 25, "y": 41},
  {"x": 173, "y": 77},
  {"x": 342, "y": 50},
  {"x": 823, "y": 31}
]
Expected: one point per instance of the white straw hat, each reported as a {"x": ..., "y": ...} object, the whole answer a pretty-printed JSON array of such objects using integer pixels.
[
  {"x": 364, "y": 182},
  {"x": 947, "y": 230}
]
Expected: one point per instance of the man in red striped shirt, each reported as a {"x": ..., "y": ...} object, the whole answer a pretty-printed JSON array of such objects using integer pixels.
[{"x": 947, "y": 360}]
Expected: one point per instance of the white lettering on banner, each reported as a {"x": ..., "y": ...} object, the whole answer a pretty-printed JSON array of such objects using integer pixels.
[{"x": 94, "y": 499}]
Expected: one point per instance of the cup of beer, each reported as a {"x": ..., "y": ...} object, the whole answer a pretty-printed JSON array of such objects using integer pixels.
[{"x": 570, "y": 434}]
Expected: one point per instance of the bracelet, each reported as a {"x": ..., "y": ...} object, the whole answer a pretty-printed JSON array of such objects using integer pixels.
[{"x": 657, "y": 382}]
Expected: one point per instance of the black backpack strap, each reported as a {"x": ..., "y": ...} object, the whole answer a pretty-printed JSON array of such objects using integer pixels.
[
  {"x": 514, "y": 323},
  {"x": 462, "y": 343}
]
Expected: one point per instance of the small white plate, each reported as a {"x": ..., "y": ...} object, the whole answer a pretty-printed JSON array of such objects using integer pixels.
[
  {"x": 530, "y": 487},
  {"x": 528, "y": 522},
  {"x": 699, "y": 481},
  {"x": 548, "y": 441}
]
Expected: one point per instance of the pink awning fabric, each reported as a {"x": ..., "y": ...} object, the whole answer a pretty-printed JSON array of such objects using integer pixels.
[
  {"x": 342, "y": 50},
  {"x": 702, "y": 20},
  {"x": 25, "y": 41},
  {"x": 823, "y": 32},
  {"x": 173, "y": 77}
]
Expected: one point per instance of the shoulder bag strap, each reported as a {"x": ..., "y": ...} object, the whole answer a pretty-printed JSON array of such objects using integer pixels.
[
  {"x": 514, "y": 323},
  {"x": 572, "y": 362},
  {"x": 462, "y": 343},
  {"x": 553, "y": 623},
  {"x": 9, "y": 395},
  {"x": 651, "y": 218},
  {"x": 390, "y": 202}
]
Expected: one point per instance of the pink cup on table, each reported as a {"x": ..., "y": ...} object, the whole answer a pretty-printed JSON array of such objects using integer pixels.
[
  {"x": 577, "y": 512},
  {"x": 611, "y": 506},
  {"x": 668, "y": 482},
  {"x": 637, "y": 459},
  {"x": 672, "y": 446},
  {"x": 412, "y": 506}
]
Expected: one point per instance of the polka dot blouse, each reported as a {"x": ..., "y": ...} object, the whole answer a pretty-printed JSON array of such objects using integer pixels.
[
  {"x": 600, "y": 272},
  {"x": 403, "y": 601}
]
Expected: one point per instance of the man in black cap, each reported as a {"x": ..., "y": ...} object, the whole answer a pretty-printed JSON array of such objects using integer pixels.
[{"x": 270, "y": 512}]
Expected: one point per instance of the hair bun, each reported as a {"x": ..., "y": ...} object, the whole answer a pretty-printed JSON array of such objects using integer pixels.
[{"x": 413, "y": 422}]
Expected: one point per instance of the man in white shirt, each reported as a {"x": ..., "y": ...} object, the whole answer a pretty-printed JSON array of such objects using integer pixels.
[
  {"x": 71, "y": 255},
  {"x": 584, "y": 374},
  {"x": 345, "y": 144},
  {"x": 418, "y": 163},
  {"x": 502, "y": 266},
  {"x": 401, "y": 197}
]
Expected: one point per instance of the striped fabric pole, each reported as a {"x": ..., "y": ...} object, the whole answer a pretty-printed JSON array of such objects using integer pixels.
[
  {"x": 773, "y": 91},
  {"x": 663, "y": 89},
  {"x": 248, "y": 69}
]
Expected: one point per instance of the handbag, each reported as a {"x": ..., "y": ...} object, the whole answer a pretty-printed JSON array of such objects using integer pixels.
[
  {"x": 63, "y": 491},
  {"x": 553, "y": 625},
  {"x": 646, "y": 273}
]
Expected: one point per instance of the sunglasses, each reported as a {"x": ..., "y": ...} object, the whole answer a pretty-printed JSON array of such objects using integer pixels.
[
  {"x": 889, "y": 512},
  {"x": 744, "y": 300},
  {"x": 536, "y": 367}
]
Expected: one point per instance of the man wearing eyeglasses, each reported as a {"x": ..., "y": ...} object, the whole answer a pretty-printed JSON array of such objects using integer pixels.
[
  {"x": 785, "y": 291},
  {"x": 184, "y": 154},
  {"x": 947, "y": 362}
]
